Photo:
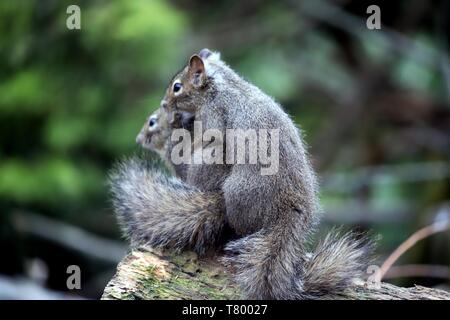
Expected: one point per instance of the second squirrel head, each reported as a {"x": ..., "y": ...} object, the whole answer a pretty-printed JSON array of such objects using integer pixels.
[
  {"x": 189, "y": 87},
  {"x": 155, "y": 132}
]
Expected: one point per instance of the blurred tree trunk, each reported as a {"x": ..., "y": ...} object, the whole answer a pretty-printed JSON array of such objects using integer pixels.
[{"x": 149, "y": 274}]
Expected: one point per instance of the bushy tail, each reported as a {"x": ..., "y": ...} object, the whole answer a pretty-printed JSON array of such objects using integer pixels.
[
  {"x": 273, "y": 264},
  {"x": 336, "y": 261},
  {"x": 265, "y": 263},
  {"x": 163, "y": 211}
]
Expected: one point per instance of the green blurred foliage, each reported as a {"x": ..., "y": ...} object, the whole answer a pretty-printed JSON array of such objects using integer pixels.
[{"x": 71, "y": 101}]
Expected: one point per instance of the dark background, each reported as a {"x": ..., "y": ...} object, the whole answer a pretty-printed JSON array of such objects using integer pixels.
[{"x": 374, "y": 106}]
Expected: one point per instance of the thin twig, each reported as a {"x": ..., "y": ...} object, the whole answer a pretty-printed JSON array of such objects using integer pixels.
[{"x": 411, "y": 241}]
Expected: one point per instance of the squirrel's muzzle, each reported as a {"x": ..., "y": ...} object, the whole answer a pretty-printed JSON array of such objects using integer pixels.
[{"x": 140, "y": 138}]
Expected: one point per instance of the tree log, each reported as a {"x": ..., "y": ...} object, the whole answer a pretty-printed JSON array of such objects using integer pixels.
[{"x": 146, "y": 273}]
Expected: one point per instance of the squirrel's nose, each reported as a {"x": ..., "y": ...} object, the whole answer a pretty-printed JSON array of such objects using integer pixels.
[{"x": 139, "y": 138}]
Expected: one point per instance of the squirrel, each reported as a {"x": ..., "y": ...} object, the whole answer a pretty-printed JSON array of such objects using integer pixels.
[
  {"x": 155, "y": 136},
  {"x": 271, "y": 216},
  {"x": 155, "y": 133}
]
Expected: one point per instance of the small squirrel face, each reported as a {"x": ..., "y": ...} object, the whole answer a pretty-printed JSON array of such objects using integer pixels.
[
  {"x": 187, "y": 90},
  {"x": 155, "y": 132}
]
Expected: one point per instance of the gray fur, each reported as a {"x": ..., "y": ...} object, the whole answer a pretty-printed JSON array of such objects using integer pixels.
[
  {"x": 163, "y": 211},
  {"x": 336, "y": 261}
]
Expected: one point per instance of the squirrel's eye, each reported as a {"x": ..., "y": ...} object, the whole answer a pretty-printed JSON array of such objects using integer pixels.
[
  {"x": 151, "y": 122},
  {"x": 177, "y": 87}
]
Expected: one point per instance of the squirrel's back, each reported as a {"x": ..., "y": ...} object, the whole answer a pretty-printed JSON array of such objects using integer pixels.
[{"x": 234, "y": 103}]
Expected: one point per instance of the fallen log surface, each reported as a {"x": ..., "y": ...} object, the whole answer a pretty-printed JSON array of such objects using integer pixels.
[{"x": 149, "y": 274}]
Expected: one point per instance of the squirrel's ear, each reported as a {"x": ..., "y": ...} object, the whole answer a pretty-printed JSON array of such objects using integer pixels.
[
  {"x": 209, "y": 55},
  {"x": 196, "y": 71},
  {"x": 205, "y": 53}
]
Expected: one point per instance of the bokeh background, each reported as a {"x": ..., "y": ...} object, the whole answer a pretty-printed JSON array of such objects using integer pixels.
[{"x": 374, "y": 106}]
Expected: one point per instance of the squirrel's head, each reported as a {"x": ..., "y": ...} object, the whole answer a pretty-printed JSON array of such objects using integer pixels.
[
  {"x": 155, "y": 132},
  {"x": 189, "y": 87}
]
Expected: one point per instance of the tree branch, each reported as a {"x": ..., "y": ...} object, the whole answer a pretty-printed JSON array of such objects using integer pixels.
[{"x": 149, "y": 274}]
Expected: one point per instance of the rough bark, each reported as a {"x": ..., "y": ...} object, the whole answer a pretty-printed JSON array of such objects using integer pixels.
[{"x": 149, "y": 274}]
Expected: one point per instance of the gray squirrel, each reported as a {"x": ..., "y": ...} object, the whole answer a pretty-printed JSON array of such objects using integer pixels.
[
  {"x": 271, "y": 217},
  {"x": 155, "y": 136},
  {"x": 155, "y": 133}
]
